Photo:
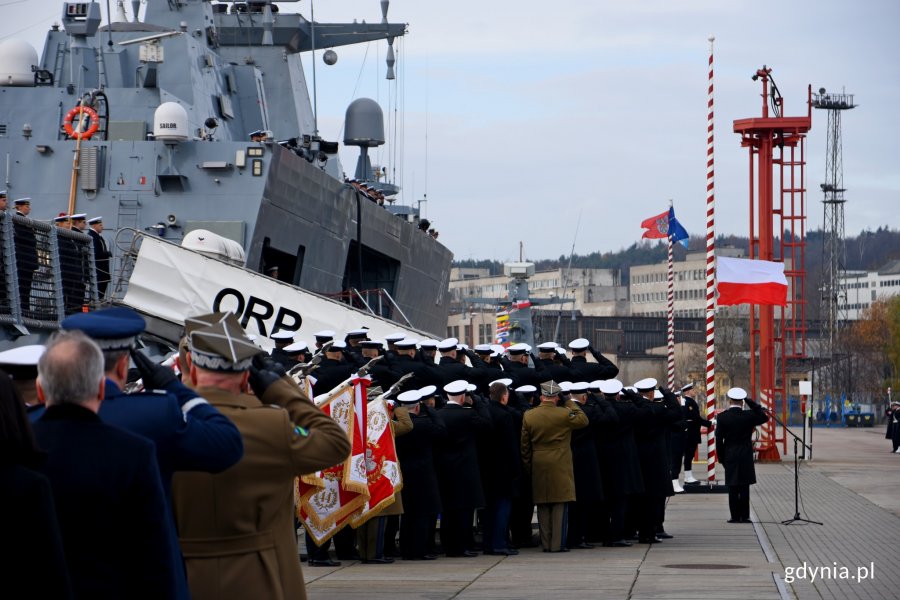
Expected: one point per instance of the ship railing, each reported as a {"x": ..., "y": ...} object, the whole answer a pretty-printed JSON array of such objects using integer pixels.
[
  {"x": 46, "y": 273},
  {"x": 376, "y": 301}
]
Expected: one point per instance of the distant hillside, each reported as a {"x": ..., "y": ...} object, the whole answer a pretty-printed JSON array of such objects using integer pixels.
[{"x": 867, "y": 251}]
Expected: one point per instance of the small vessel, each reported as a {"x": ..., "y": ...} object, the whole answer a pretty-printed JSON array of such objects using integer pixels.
[{"x": 197, "y": 116}]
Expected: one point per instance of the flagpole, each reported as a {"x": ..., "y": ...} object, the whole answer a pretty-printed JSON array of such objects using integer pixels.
[
  {"x": 670, "y": 313},
  {"x": 710, "y": 278}
]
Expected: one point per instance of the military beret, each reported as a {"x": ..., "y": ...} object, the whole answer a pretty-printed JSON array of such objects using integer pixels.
[
  {"x": 113, "y": 328},
  {"x": 550, "y": 388}
]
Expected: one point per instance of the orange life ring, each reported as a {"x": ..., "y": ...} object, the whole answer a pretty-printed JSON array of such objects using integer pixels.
[{"x": 70, "y": 118}]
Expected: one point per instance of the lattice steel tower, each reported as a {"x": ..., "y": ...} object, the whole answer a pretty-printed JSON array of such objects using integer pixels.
[{"x": 833, "y": 255}]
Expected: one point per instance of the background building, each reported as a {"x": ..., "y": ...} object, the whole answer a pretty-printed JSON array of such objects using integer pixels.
[{"x": 860, "y": 288}]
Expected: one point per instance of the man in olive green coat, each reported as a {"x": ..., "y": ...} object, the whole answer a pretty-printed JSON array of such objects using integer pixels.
[
  {"x": 547, "y": 456},
  {"x": 236, "y": 527}
]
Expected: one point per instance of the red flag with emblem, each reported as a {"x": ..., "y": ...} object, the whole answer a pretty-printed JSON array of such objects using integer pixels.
[{"x": 657, "y": 227}]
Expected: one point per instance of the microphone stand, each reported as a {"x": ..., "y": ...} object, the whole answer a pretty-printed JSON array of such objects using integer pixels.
[{"x": 806, "y": 447}]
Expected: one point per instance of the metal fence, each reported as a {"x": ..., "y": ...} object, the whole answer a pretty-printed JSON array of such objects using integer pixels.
[{"x": 47, "y": 272}]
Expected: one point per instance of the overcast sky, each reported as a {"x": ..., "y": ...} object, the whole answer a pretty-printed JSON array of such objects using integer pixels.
[{"x": 541, "y": 114}]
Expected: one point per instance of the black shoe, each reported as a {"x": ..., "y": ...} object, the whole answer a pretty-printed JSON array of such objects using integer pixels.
[
  {"x": 653, "y": 540},
  {"x": 378, "y": 561},
  {"x": 509, "y": 552},
  {"x": 733, "y": 521},
  {"x": 664, "y": 536},
  {"x": 583, "y": 546},
  {"x": 746, "y": 520},
  {"x": 463, "y": 554},
  {"x": 354, "y": 556},
  {"x": 617, "y": 544},
  {"x": 324, "y": 563}
]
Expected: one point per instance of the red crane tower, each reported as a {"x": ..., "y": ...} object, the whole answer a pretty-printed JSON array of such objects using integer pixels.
[{"x": 777, "y": 233}]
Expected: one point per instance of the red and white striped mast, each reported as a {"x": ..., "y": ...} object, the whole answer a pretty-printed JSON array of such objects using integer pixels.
[
  {"x": 670, "y": 312},
  {"x": 710, "y": 278}
]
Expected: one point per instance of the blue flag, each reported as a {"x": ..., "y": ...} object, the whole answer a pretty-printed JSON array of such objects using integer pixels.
[{"x": 676, "y": 231}]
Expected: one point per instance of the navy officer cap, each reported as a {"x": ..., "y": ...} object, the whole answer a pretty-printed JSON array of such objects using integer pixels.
[{"x": 113, "y": 328}]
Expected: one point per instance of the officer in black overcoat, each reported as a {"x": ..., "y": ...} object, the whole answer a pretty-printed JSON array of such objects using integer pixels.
[
  {"x": 421, "y": 494},
  {"x": 405, "y": 361},
  {"x": 333, "y": 370},
  {"x": 501, "y": 463},
  {"x": 515, "y": 366},
  {"x": 553, "y": 365},
  {"x": 734, "y": 447},
  {"x": 456, "y": 457},
  {"x": 650, "y": 435},
  {"x": 619, "y": 462},
  {"x": 590, "y": 371},
  {"x": 692, "y": 435},
  {"x": 26, "y": 253},
  {"x": 102, "y": 255},
  {"x": 586, "y": 466}
]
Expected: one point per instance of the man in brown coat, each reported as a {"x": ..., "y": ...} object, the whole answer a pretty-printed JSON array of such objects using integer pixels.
[
  {"x": 547, "y": 456},
  {"x": 236, "y": 527}
]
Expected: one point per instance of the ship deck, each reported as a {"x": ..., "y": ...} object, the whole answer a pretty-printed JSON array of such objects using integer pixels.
[{"x": 852, "y": 485}]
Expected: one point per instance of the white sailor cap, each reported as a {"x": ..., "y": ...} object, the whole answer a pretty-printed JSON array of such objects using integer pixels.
[
  {"x": 462, "y": 347},
  {"x": 548, "y": 347},
  {"x": 22, "y": 355},
  {"x": 428, "y": 391},
  {"x": 518, "y": 349},
  {"x": 448, "y": 344},
  {"x": 505, "y": 381},
  {"x": 337, "y": 345},
  {"x": 736, "y": 393},
  {"x": 455, "y": 388},
  {"x": 78, "y": 217},
  {"x": 483, "y": 349},
  {"x": 355, "y": 333},
  {"x": 282, "y": 335},
  {"x": 594, "y": 385},
  {"x": 3, "y": 193},
  {"x": 579, "y": 344},
  {"x": 657, "y": 395},
  {"x": 296, "y": 347},
  {"x": 324, "y": 335},
  {"x": 428, "y": 344},
  {"x": 18, "y": 201},
  {"x": 629, "y": 388},
  {"x": 376, "y": 344},
  {"x": 645, "y": 385},
  {"x": 394, "y": 337},
  {"x": 526, "y": 389},
  {"x": 610, "y": 386},
  {"x": 406, "y": 343},
  {"x": 471, "y": 387},
  {"x": 498, "y": 349},
  {"x": 579, "y": 387},
  {"x": 565, "y": 385},
  {"x": 560, "y": 350},
  {"x": 95, "y": 220},
  {"x": 409, "y": 397}
]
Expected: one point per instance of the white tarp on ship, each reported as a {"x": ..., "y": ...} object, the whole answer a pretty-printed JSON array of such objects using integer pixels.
[{"x": 171, "y": 283}]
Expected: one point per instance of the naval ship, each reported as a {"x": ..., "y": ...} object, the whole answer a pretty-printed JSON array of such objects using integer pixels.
[{"x": 193, "y": 116}]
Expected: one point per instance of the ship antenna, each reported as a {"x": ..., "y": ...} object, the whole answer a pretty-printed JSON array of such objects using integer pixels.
[
  {"x": 312, "y": 30},
  {"x": 108, "y": 26}
]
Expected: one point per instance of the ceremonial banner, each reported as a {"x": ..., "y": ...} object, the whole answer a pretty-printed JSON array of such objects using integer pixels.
[
  {"x": 746, "y": 281},
  {"x": 328, "y": 498},
  {"x": 382, "y": 468},
  {"x": 502, "y": 329}
]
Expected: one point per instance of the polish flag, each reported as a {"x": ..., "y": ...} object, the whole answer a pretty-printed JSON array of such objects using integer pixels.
[{"x": 746, "y": 281}]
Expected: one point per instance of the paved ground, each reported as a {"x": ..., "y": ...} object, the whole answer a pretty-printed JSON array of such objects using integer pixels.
[{"x": 853, "y": 485}]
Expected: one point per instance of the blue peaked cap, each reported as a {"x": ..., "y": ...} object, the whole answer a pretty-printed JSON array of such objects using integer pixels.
[{"x": 112, "y": 328}]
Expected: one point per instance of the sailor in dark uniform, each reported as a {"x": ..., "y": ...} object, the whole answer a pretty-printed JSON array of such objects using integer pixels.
[
  {"x": 421, "y": 494},
  {"x": 515, "y": 366},
  {"x": 26, "y": 254},
  {"x": 549, "y": 363},
  {"x": 734, "y": 447},
  {"x": 101, "y": 254},
  {"x": 590, "y": 371},
  {"x": 333, "y": 370},
  {"x": 619, "y": 464},
  {"x": 457, "y": 467},
  {"x": 427, "y": 351},
  {"x": 282, "y": 339},
  {"x": 586, "y": 466},
  {"x": 692, "y": 436},
  {"x": 189, "y": 434}
]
